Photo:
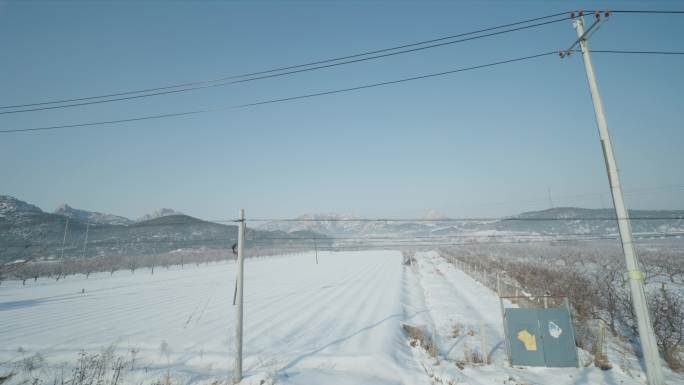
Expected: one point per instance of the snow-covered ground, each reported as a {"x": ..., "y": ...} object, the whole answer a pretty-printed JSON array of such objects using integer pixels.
[
  {"x": 304, "y": 323},
  {"x": 336, "y": 322},
  {"x": 454, "y": 298}
]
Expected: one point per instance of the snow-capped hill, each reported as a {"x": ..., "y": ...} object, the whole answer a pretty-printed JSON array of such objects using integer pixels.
[
  {"x": 596, "y": 221},
  {"x": 581, "y": 213},
  {"x": 91, "y": 216},
  {"x": 158, "y": 214},
  {"x": 552, "y": 222},
  {"x": 434, "y": 215},
  {"x": 353, "y": 225},
  {"x": 332, "y": 224},
  {"x": 26, "y": 232},
  {"x": 12, "y": 206}
]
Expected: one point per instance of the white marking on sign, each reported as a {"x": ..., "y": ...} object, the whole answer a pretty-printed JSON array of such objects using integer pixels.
[{"x": 554, "y": 330}]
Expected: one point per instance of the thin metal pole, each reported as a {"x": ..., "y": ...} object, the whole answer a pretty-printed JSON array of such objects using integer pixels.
[
  {"x": 636, "y": 277},
  {"x": 316, "y": 249},
  {"x": 61, "y": 254},
  {"x": 85, "y": 243},
  {"x": 498, "y": 284},
  {"x": 66, "y": 226},
  {"x": 237, "y": 374},
  {"x": 483, "y": 341}
]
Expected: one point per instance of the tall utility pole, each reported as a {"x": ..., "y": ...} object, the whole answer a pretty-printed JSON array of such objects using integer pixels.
[
  {"x": 237, "y": 374},
  {"x": 636, "y": 277}
]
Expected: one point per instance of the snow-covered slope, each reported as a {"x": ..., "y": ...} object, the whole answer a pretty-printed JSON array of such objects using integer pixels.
[
  {"x": 10, "y": 206},
  {"x": 353, "y": 225},
  {"x": 336, "y": 322},
  {"x": 575, "y": 221},
  {"x": 92, "y": 217},
  {"x": 455, "y": 301}
]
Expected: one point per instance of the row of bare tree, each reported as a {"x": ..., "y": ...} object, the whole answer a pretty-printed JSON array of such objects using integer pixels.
[
  {"x": 59, "y": 269},
  {"x": 595, "y": 282}
]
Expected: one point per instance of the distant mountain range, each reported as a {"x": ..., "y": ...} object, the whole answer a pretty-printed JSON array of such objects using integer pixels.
[
  {"x": 552, "y": 222},
  {"x": 158, "y": 214},
  {"x": 91, "y": 216},
  {"x": 27, "y": 232},
  {"x": 97, "y": 218}
]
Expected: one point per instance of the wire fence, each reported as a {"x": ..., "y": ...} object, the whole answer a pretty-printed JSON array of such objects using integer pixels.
[{"x": 595, "y": 285}]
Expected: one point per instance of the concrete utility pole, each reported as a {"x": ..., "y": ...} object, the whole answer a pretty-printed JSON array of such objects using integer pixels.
[
  {"x": 237, "y": 374},
  {"x": 636, "y": 277}
]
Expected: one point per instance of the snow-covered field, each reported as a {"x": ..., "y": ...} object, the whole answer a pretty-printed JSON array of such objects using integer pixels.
[{"x": 336, "y": 322}]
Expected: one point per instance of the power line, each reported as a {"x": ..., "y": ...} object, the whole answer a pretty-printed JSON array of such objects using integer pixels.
[
  {"x": 427, "y": 238},
  {"x": 648, "y": 11},
  {"x": 271, "y": 101},
  {"x": 209, "y": 83},
  {"x": 218, "y": 221},
  {"x": 491, "y": 219},
  {"x": 330, "y": 60},
  {"x": 274, "y": 75},
  {"x": 447, "y": 244},
  {"x": 424, "y": 240},
  {"x": 189, "y": 86},
  {"x": 576, "y": 197},
  {"x": 634, "y": 52},
  {"x": 306, "y": 96}
]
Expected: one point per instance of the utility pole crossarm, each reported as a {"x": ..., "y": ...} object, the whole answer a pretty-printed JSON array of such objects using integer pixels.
[
  {"x": 636, "y": 279},
  {"x": 587, "y": 32}
]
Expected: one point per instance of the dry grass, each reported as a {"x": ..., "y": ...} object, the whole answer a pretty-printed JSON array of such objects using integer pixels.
[{"x": 418, "y": 336}]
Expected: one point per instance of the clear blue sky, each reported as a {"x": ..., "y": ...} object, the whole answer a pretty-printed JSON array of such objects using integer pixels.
[{"x": 476, "y": 143}]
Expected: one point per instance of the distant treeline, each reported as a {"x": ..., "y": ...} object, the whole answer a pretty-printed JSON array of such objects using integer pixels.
[{"x": 59, "y": 269}]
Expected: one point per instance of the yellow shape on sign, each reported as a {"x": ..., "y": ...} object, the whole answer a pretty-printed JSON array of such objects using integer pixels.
[{"x": 528, "y": 340}]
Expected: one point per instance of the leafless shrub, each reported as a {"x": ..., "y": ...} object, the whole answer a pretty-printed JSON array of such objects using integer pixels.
[
  {"x": 418, "y": 336},
  {"x": 31, "y": 363},
  {"x": 457, "y": 330},
  {"x": 601, "y": 361},
  {"x": 595, "y": 283},
  {"x": 476, "y": 357},
  {"x": 408, "y": 258},
  {"x": 471, "y": 356},
  {"x": 100, "y": 368},
  {"x": 6, "y": 377},
  {"x": 667, "y": 308},
  {"x": 111, "y": 263},
  {"x": 103, "y": 368}
]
